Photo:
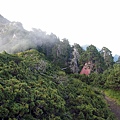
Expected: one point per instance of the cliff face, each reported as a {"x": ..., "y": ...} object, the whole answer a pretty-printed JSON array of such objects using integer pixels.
[
  {"x": 13, "y": 37},
  {"x": 74, "y": 61},
  {"x": 3, "y": 23},
  {"x": 3, "y": 20}
]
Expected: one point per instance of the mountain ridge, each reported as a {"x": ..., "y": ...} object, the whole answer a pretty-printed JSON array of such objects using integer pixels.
[
  {"x": 14, "y": 38},
  {"x": 19, "y": 26},
  {"x": 3, "y": 20},
  {"x": 41, "y": 80}
]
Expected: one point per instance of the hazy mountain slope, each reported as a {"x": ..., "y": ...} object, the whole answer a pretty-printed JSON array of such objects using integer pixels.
[
  {"x": 14, "y": 38},
  {"x": 3, "y": 20}
]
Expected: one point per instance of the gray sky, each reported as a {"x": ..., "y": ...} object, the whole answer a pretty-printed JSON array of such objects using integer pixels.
[{"x": 94, "y": 22}]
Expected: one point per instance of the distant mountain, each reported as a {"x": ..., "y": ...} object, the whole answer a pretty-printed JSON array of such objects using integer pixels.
[
  {"x": 85, "y": 47},
  {"x": 116, "y": 57},
  {"x": 14, "y": 38},
  {"x": 3, "y": 20}
]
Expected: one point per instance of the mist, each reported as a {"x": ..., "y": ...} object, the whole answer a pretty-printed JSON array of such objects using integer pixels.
[{"x": 14, "y": 38}]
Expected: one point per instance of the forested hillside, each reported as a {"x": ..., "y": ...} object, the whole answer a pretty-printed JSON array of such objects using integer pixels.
[
  {"x": 40, "y": 77},
  {"x": 33, "y": 88},
  {"x": 14, "y": 38}
]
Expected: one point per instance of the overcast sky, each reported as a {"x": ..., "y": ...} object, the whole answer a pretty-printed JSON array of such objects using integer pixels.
[{"x": 94, "y": 22}]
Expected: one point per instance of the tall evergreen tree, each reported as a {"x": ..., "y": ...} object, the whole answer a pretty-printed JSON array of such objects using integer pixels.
[
  {"x": 93, "y": 56},
  {"x": 107, "y": 55}
]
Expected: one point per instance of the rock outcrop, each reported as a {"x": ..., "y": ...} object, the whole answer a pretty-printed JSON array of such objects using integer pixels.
[{"x": 74, "y": 60}]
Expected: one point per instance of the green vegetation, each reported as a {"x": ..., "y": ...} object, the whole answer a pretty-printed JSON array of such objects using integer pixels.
[
  {"x": 40, "y": 80},
  {"x": 113, "y": 94},
  {"x": 32, "y": 88}
]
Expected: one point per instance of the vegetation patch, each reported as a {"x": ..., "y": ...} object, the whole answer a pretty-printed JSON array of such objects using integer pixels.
[{"x": 113, "y": 94}]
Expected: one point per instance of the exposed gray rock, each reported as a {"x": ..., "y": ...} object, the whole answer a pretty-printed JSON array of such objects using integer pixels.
[
  {"x": 14, "y": 38},
  {"x": 74, "y": 61},
  {"x": 3, "y": 20}
]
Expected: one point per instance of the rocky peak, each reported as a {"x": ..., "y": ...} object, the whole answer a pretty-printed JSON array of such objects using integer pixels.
[
  {"x": 16, "y": 25},
  {"x": 3, "y": 20}
]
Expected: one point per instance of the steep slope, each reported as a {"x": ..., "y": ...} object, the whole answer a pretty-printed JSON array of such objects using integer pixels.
[
  {"x": 3, "y": 20},
  {"x": 32, "y": 88},
  {"x": 14, "y": 38}
]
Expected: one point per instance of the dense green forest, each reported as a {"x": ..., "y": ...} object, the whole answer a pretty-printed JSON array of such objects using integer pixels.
[
  {"x": 40, "y": 77},
  {"x": 32, "y": 88}
]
